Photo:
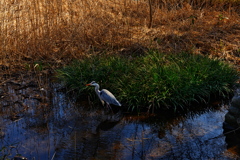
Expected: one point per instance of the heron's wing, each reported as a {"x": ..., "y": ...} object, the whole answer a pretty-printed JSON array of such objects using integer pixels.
[{"x": 109, "y": 97}]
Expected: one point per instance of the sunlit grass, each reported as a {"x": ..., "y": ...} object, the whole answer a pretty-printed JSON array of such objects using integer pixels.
[{"x": 154, "y": 80}]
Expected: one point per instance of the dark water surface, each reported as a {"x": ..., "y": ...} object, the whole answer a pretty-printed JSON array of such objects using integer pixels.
[{"x": 39, "y": 121}]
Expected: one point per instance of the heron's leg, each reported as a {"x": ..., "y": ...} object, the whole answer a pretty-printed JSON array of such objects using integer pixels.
[{"x": 109, "y": 107}]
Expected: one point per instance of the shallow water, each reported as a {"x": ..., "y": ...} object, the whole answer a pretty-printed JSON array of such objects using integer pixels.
[{"x": 38, "y": 121}]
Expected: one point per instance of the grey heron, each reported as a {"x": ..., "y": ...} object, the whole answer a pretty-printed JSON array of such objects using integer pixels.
[{"x": 104, "y": 95}]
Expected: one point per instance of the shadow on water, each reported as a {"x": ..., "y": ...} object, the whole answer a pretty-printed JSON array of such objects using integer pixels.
[{"x": 38, "y": 121}]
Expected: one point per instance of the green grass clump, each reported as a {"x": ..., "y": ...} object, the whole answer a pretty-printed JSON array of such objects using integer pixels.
[{"x": 154, "y": 80}]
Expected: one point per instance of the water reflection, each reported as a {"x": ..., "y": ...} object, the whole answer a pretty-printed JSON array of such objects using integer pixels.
[{"x": 42, "y": 123}]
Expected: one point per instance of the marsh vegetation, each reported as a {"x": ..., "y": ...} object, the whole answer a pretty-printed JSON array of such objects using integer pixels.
[
  {"x": 154, "y": 80},
  {"x": 48, "y": 35},
  {"x": 169, "y": 53}
]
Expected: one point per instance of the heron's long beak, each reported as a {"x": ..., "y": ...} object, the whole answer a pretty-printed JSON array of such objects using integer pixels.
[{"x": 88, "y": 84}]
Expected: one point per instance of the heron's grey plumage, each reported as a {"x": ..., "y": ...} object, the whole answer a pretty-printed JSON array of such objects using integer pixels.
[
  {"x": 109, "y": 97},
  {"x": 104, "y": 95}
]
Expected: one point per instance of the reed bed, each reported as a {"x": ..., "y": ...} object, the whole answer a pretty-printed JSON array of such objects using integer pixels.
[{"x": 56, "y": 32}]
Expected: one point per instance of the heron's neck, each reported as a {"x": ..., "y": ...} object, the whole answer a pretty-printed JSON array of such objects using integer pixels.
[
  {"x": 98, "y": 93},
  {"x": 97, "y": 90}
]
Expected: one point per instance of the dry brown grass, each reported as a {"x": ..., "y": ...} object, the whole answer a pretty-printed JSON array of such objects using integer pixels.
[{"x": 58, "y": 31}]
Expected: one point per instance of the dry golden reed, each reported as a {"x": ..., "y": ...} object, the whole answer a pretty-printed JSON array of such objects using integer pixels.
[{"x": 58, "y": 31}]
